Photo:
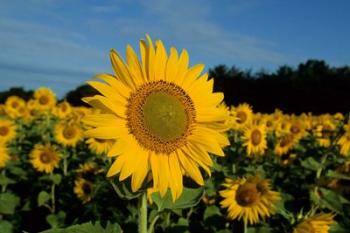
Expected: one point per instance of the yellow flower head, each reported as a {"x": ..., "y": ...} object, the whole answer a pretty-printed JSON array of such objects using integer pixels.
[
  {"x": 319, "y": 223},
  {"x": 4, "y": 155},
  {"x": 344, "y": 141},
  {"x": 243, "y": 115},
  {"x": 254, "y": 139},
  {"x": 68, "y": 134},
  {"x": 163, "y": 114},
  {"x": 13, "y": 105},
  {"x": 83, "y": 189},
  {"x": 63, "y": 110},
  {"x": 284, "y": 143},
  {"x": 45, "y": 98},
  {"x": 7, "y": 130},
  {"x": 249, "y": 198},
  {"x": 100, "y": 146},
  {"x": 44, "y": 158}
]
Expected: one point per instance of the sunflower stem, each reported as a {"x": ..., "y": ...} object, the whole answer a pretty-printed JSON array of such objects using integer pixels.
[
  {"x": 143, "y": 213},
  {"x": 245, "y": 229},
  {"x": 53, "y": 202},
  {"x": 65, "y": 166}
]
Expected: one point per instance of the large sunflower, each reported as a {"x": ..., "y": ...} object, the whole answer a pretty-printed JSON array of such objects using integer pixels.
[
  {"x": 319, "y": 223},
  {"x": 7, "y": 130},
  {"x": 163, "y": 114},
  {"x": 44, "y": 158},
  {"x": 255, "y": 139},
  {"x": 68, "y": 133},
  {"x": 249, "y": 198}
]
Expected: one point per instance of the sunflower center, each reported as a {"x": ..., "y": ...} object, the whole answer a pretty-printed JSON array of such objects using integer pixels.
[
  {"x": 14, "y": 104},
  {"x": 160, "y": 116},
  {"x": 4, "y": 130},
  {"x": 256, "y": 137},
  {"x": 247, "y": 194},
  {"x": 69, "y": 132},
  {"x": 45, "y": 157},
  {"x": 294, "y": 129},
  {"x": 326, "y": 131},
  {"x": 43, "y": 100},
  {"x": 86, "y": 188},
  {"x": 286, "y": 140},
  {"x": 242, "y": 117},
  {"x": 64, "y": 107}
]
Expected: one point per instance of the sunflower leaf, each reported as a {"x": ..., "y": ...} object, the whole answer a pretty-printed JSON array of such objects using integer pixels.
[
  {"x": 189, "y": 197},
  {"x": 8, "y": 203},
  {"x": 87, "y": 228},
  {"x": 43, "y": 197}
]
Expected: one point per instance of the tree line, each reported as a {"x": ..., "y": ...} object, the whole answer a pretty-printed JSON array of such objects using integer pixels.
[{"x": 313, "y": 86}]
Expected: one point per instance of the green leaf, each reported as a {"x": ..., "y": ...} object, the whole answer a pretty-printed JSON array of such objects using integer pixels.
[
  {"x": 56, "y": 220},
  {"x": 330, "y": 199},
  {"x": 8, "y": 203},
  {"x": 337, "y": 175},
  {"x": 336, "y": 228},
  {"x": 211, "y": 211},
  {"x": 56, "y": 179},
  {"x": 311, "y": 163},
  {"x": 6, "y": 227},
  {"x": 258, "y": 230},
  {"x": 88, "y": 228},
  {"x": 5, "y": 180},
  {"x": 123, "y": 192},
  {"x": 189, "y": 197},
  {"x": 43, "y": 197}
]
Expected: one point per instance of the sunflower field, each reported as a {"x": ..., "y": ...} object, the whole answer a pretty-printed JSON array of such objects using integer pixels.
[{"x": 143, "y": 162}]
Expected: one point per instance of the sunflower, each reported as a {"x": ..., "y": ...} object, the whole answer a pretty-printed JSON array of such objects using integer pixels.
[
  {"x": 324, "y": 132},
  {"x": 344, "y": 141},
  {"x": 254, "y": 137},
  {"x": 163, "y": 114},
  {"x": 12, "y": 106},
  {"x": 243, "y": 115},
  {"x": 285, "y": 143},
  {"x": 249, "y": 198},
  {"x": 4, "y": 155},
  {"x": 297, "y": 128},
  {"x": 319, "y": 223},
  {"x": 68, "y": 134},
  {"x": 100, "y": 146},
  {"x": 83, "y": 189},
  {"x": 88, "y": 168},
  {"x": 7, "y": 130},
  {"x": 63, "y": 110},
  {"x": 45, "y": 98},
  {"x": 44, "y": 158}
]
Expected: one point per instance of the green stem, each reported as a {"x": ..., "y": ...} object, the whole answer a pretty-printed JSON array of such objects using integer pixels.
[
  {"x": 143, "y": 213},
  {"x": 151, "y": 226},
  {"x": 3, "y": 187},
  {"x": 245, "y": 229},
  {"x": 53, "y": 202},
  {"x": 65, "y": 166},
  {"x": 319, "y": 171}
]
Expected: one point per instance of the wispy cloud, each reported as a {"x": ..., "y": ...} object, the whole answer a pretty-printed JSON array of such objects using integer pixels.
[
  {"x": 193, "y": 27},
  {"x": 69, "y": 48}
]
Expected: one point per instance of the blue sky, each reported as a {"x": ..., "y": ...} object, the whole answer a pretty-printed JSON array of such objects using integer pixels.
[{"x": 63, "y": 43}]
